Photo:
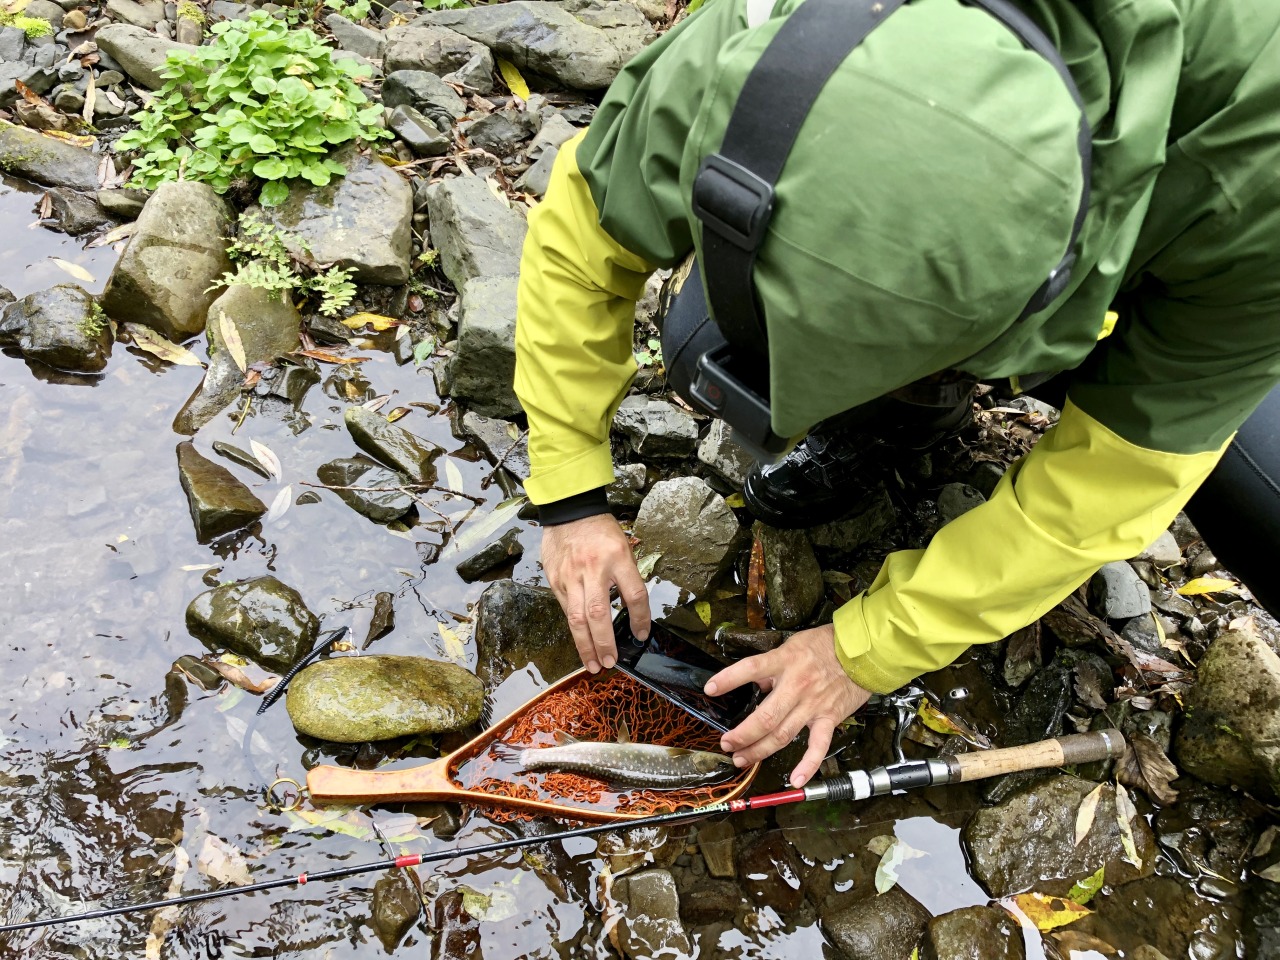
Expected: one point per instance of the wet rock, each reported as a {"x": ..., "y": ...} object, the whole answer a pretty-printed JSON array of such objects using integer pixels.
[
  {"x": 495, "y": 441},
  {"x": 421, "y": 45},
  {"x": 628, "y": 849},
  {"x": 540, "y": 37},
  {"x": 1164, "y": 553},
  {"x": 75, "y": 212},
  {"x": 715, "y": 840},
  {"x": 710, "y": 901},
  {"x": 793, "y": 578},
  {"x": 1164, "y": 916},
  {"x": 360, "y": 221},
  {"x": 867, "y": 519},
  {"x": 476, "y": 233},
  {"x": 1028, "y": 841},
  {"x": 1039, "y": 711},
  {"x": 1261, "y": 921},
  {"x": 651, "y": 923},
  {"x": 974, "y": 933},
  {"x": 493, "y": 555},
  {"x": 692, "y": 530},
  {"x": 885, "y": 927},
  {"x": 1142, "y": 633},
  {"x": 379, "y": 505},
  {"x": 518, "y": 625},
  {"x": 723, "y": 456},
  {"x": 139, "y": 52},
  {"x": 219, "y": 503},
  {"x": 145, "y": 15},
  {"x": 423, "y": 137},
  {"x": 656, "y": 428},
  {"x": 769, "y": 871},
  {"x": 1231, "y": 730},
  {"x": 396, "y": 903},
  {"x": 262, "y": 619},
  {"x": 392, "y": 445},
  {"x": 427, "y": 93},
  {"x": 627, "y": 490},
  {"x": 53, "y": 163},
  {"x": 357, "y": 699},
  {"x": 957, "y": 499},
  {"x": 457, "y": 932},
  {"x": 267, "y": 323},
  {"x": 502, "y": 131},
  {"x": 178, "y": 250},
  {"x": 123, "y": 204},
  {"x": 357, "y": 39},
  {"x": 484, "y": 361},
  {"x": 61, "y": 327},
  {"x": 1118, "y": 593}
]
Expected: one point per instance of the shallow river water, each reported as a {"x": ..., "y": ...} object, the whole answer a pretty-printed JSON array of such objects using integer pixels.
[{"x": 109, "y": 760}]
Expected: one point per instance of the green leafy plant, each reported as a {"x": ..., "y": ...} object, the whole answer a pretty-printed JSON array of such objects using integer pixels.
[
  {"x": 262, "y": 101},
  {"x": 651, "y": 356},
  {"x": 190, "y": 10},
  {"x": 355, "y": 11},
  {"x": 263, "y": 260},
  {"x": 33, "y": 27},
  {"x": 443, "y": 4},
  {"x": 95, "y": 323}
]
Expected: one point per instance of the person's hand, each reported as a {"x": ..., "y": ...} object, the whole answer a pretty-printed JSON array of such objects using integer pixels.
[
  {"x": 583, "y": 560},
  {"x": 806, "y": 687}
]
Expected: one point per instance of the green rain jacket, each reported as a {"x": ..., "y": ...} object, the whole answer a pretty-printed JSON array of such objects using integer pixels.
[{"x": 1181, "y": 242}]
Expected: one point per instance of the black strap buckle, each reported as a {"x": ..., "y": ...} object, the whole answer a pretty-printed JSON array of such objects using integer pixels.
[{"x": 732, "y": 201}]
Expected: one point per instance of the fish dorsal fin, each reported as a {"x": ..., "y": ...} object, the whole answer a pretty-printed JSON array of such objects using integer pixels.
[
  {"x": 624, "y": 735},
  {"x": 563, "y": 739}
]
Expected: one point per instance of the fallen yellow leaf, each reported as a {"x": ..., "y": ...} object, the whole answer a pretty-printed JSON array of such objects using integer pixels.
[
  {"x": 1048, "y": 913},
  {"x": 375, "y": 320},
  {"x": 1203, "y": 585},
  {"x": 515, "y": 82}
]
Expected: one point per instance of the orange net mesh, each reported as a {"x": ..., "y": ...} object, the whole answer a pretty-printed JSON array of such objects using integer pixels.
[{"x": 591, "y": 710}]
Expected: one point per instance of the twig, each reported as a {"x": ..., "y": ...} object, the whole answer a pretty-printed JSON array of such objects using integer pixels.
[
  {"x": 402, "y": 488},
  {"x": 488, "y": 479}
]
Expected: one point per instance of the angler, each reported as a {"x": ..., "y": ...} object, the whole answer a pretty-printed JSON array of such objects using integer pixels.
[{"x": 870, "y": 205}]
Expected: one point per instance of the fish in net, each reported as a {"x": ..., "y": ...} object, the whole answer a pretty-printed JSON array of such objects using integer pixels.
[{"x": 592, "y": 710}]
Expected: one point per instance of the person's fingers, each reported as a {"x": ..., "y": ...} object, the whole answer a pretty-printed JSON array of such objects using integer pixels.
[
  {"x": 820, "y": 732},
  {"x": 748, "y": 670},
  {"x": 599, "y": 617},
  {"x": 575, "y": 611},
  {"x": 635, "y": 595},
  {"x": 769, "y": 728}
]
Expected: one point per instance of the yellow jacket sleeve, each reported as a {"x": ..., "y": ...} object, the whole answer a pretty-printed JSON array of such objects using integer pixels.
[
  {"x": 574, "y": 316},
  {"x": 1083, "y": 497}
]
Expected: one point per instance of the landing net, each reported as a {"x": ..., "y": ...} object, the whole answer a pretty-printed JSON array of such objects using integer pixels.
[{"x": 592, "y": 710}]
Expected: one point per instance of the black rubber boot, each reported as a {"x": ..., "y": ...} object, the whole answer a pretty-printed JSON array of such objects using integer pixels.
[{"x": 829, "y": 470}]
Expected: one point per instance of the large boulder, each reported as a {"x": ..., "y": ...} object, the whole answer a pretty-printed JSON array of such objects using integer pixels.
[
  {"x": 692, "y": 530},
  {"x": 142, "y": 53},
  {"x": 45, "y": 160},
  {"x": 267, "y": 323},
  {"x": 422, "y": 45},
  {"x": 483, "y": 368},
  {"x": 519, "y": 626},
  {"x": 143, "y": 15},
  {"x": 1028, "y": 841},
  {"x": 656, "y": 428},
  {"x": 62, "y": 327},
  {"x": 476, "y": 233},
  {"x": 357, "y": 699},
  {"x": 179, "y": 248},
  {"x": 360, "y": 220},
  {"x": 219, "y": 503},
  {"x": 262, "y": 619},
  {"x": 1231, "y": 731}
]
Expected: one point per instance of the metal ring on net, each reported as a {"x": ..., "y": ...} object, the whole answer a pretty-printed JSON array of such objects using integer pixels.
[{"x": 287, "y": 804}]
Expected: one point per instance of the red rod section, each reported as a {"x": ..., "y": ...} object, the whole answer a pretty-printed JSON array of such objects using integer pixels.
[
  {"x": 409, "y": 860},
  {"x": 773, "y": 800}
]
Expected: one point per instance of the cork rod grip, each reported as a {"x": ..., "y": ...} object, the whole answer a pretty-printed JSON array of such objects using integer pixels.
[{"x": 1078, "y": 748}]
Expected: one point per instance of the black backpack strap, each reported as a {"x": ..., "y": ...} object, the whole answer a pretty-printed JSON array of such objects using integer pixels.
[{"x": 733, "y": 191}]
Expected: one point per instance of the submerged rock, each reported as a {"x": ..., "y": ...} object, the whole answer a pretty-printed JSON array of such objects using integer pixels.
[
  {"x": 1028, "y": 841},
  {"x": 53, "y": 163},
  {"x": 1165, "y": 917},
  {"x": 61, "y": 327},
  {"x": 262, "y": 619},
  {"x": 793, "y": 578},
  {"x": 396, "y": 904},
  {"x": 491, "y": 556},
  {"x": 769, "y": 871},
  {"x": 656, "y": 428},
  {"x": 358, "y": 699},
  {"x": 178, "y": 250},
  {"x": 220, "y": 504},
  {"x": 379, "y": 505},
  {"x": 476, "y": 233},
  {"x": 483, "y": 367},
  {"x": 140, "y": 52},
  {"x": 495, "y": 440},
  {"x": 267, "y": 323},
  {"x": 77, "y": 213},
  {"x": 518, "y": 625},
  {"x": 392, "y": 445},
  {"x": 715, "y": 840},
  {"x": 884, "y": 927},
  {"x": 974, "y": 933},
  {"x": 360, "y": 220},
  {"x": 1231, "y": 731},
  {"x": 691, "y": 528},
  {"x": 1039, "y": 712},
  {"x": 651, "y": 924}
]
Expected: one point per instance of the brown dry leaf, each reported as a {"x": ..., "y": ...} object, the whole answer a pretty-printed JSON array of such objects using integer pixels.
[
  {"x": 77, "y": 271},
  {"x": 234, "y": 675},
  {"x": 164, "y": 921},
  {"x": 1073, "y": 940},
  {"x": 1125, "y": 812},
  {"x": 1088, "y": 810},
  {"x": 222, "y": 863},
  {"x": 122, "y": 232},
  {"x": 144, "y": 338},
  {"x": 756, "y": 606},
  {"x": 45, "y": 210},
  {"x": 1048, "y": 913},
  {"x": 30, "y": 95},
  {"x": 1145, "y": 767},
  {"x": 231, "y": 340},
  {"x": 325, "y": 356}
]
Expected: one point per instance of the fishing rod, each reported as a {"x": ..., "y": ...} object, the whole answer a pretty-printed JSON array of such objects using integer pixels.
[{"x": 853, "y": 785}]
